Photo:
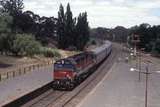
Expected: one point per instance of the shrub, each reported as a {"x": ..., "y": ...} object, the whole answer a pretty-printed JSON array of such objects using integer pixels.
[
  {"x": 50, "y": 52},
  {"x": 25, "y": 45}
]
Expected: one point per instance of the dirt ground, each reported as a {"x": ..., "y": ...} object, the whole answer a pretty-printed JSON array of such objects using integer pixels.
[{"x": 11, "y": 62}]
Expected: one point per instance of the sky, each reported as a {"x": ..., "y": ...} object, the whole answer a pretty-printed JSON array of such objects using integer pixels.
[{"x": 103, "y": 13}]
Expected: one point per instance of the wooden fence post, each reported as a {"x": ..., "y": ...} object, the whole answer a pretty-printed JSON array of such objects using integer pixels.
[
  {"x": 7, "y": 75},
  {"x": 19, "y": 70},
  {"x": 13, "y": 73},
  {"x": 24, "y": 70}
]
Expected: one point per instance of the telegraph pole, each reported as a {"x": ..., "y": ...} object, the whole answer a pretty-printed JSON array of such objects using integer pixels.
[
  {"x": 146, "y": 84},
  {"x": 146, "y": 89}
]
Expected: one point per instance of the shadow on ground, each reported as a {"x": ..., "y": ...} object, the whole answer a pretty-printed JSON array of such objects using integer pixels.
[{"x": 3, "y": 65}]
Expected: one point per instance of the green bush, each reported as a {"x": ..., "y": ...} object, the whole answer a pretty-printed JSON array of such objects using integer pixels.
[
  {"x": 25, "y": 45},
  {"x": 5, "y": 32},
  {"x": 50, "y": 52}
]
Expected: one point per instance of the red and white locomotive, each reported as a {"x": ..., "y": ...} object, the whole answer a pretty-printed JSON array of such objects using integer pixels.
[{"x": 69, "y": 71}]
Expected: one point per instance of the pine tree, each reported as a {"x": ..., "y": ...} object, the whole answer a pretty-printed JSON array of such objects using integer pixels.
[
  {"x": 61, "y": 27},
  {"x": 82, "y": 31},
  {"x": 69, "y": 28},
  {"x": 69, "y": 32}
]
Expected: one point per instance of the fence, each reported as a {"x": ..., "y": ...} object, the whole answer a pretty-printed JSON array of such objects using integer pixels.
[{"x": 23, "y": 70}]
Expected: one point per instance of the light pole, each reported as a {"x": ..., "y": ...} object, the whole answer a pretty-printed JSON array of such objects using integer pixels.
[
  {"x": 146, "y": 82},
  {"x": 146, "y": 90},
  {"x": 146, "y": 87}
]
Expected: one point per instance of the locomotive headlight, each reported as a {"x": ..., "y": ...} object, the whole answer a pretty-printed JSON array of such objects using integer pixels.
[
  {"x": 57, "y": 82},
  {"x": 68, "y": 76}
]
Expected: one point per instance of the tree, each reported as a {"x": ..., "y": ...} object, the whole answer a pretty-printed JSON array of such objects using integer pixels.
[
  {"x": 14, "y": 8},
  {"x": 61, "y": 28},
  {"x": 46, "y": 29},
  {"x": 69, "y": 28},
  {"x": 145, "y": 35},
  {"x": 25, "y": 44},
  {"x": 82, "y": 31},
  {"x": 5, "y": 29},
  {"x": 69, "y": 32},
  {"x": 157, "y": 45},
  {"x": 148, "y": 35},
  {"x": 26, "y": 23},
  {"x": 5, "y": 23}
]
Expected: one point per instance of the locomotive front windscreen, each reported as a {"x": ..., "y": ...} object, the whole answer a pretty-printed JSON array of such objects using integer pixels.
[{"x": 63, "y": 64}]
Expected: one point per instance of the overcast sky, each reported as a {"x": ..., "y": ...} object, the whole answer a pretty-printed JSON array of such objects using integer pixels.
[{"x": 104, "y": 13}]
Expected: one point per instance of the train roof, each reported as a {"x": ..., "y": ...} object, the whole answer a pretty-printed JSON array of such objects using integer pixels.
[
  {"x": 101, "y": 48},
  {"x": 107, "y": 43},
  {"x": 77, "y": 56},
  {"x": 98, "y": 49},
  {"x": 71, "y": 59}
]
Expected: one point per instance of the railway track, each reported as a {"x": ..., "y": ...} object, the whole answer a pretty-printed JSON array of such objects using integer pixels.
[
  {"x": 55, "y": 98},
  {"x": 45, "y": 99},
  {"x": 72, "y": 98}
]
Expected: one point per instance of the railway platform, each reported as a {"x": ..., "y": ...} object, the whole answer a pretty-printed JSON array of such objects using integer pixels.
[
  {"x": 19, "y": 86},
  {"x": 121, "y": 88}
]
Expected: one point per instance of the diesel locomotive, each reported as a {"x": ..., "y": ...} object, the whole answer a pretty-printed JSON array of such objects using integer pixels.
[{"x": 71, "y": 70}]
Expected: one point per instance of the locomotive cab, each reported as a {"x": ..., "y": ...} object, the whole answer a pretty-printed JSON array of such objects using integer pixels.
[{"x": 64, "y": 73}]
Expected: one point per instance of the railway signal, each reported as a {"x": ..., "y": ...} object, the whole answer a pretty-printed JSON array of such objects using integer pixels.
[{"x": 135, "y": 40}]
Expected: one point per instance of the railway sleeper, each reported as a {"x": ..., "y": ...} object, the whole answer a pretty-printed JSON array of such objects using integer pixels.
[{"x": 65, "y": 84}]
